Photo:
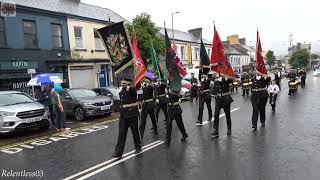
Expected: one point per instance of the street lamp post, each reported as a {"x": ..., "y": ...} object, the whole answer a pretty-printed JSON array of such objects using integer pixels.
[{"x": 172, "y": 24}]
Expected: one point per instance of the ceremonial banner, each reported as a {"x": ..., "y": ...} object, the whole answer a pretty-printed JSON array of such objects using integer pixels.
[
  {"x": 116, "y": 41},
  {"x": 204, "y": 67},
  {"x": 260, "y": 66},
  {"x": 139, "y": 68}
]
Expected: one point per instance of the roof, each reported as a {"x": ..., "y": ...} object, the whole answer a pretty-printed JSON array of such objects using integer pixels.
[
  {"x": 240, "y": 48},
  {"x": 184, "y": 36},
  {"x": 70, "y": 7}
]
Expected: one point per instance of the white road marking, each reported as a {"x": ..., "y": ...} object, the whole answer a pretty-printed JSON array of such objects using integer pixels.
[
  {"x": 109, "y": 161},
  {"x": 206, "y": 122},
  {"x": 118, "y": 162}
]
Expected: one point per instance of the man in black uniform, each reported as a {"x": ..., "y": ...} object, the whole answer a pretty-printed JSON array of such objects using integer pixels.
[
  {"x": 303, "y": 75},
  {"x": 129, "y": 117},
  {"x": 161, "y": 99},
  {"x": 245, "y": 83},
  {"x": 174, "y": 113},
  {"x": 204, "y": 97},
  {"x": 148, "y": 105},
  {"x": 259, "y": 99},
  {"x": 194, "y": 88},
  {"x": 223, "y": 100}
]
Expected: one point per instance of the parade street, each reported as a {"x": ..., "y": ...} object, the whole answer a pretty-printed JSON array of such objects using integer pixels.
[{"x": 287, "y": 148}]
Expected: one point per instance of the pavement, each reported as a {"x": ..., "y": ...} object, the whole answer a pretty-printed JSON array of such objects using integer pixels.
[{"x": 287, "y": 148}]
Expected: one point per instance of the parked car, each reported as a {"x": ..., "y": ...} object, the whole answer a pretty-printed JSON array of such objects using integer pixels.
[
  {"x": 112, "y": 92},
  {"x": 82, "y": 103},
  {"x": 185, "y": 93},
  {"x": 19, "y": 111},
  {"x": 316, "y": 73}
]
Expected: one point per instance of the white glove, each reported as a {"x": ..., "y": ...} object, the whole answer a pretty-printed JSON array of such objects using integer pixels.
[
  {"x": 157, "y": 101},
  {"x": 220, "y": 79},
  {"x": 258, "y": 77},
  {"x": 167, "y": 96},
  {"x": 179, "y": 100}
]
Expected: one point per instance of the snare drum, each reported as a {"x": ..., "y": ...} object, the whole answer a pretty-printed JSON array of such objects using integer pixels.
[
  {"x": 246, "y": 86},
  {"x": 293, "y": 85}
]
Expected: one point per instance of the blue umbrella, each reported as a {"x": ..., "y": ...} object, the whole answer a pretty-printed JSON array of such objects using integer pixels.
[{"x": 44, "y": 79}]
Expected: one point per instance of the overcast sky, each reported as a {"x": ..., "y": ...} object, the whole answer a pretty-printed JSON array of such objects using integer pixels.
[{"x": 275, "y": 19}]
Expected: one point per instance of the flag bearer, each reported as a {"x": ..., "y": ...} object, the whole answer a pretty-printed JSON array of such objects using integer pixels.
[{"x": 161, "y": 99}]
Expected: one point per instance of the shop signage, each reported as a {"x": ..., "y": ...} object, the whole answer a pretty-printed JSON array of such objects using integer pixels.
[
  {"x": 8, "y": 10},
  {"x": 31, "y": 71},
  {"x": 16, "y": 65}
]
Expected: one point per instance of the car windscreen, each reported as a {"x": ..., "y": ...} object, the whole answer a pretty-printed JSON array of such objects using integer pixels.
[
  {"x": 14, "y": 98},
  {"x": 79, "y": 93}
]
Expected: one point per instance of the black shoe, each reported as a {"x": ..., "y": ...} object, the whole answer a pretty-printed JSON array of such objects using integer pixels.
[
  {"x": 138, "y": 150},
  {"x": 167, "y": 143},
  {"x": 210, "y": 119},
  {"x": 117, "y": 156},
  {"x": 254, "y": 128},
  {"x": 243, "y": 95},
  {"x": 184, "y": 138},
  {"x": 263, "y": 125},
  {"x": 215, "y": 134},
  {"x": 229, "y": 132}
]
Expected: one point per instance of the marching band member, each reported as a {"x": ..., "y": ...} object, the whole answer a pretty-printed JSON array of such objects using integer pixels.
[{"x": 273, "y": 90}]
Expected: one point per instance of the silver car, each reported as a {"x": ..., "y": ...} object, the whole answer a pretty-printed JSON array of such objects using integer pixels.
[{"x": 19, "y": 111}]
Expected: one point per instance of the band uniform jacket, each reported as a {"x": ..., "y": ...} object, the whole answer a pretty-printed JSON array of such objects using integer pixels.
[
  {"x": 128, "y": 98},
  {"x": 173, "y": 104},
  {"x": 259, "y": 87},
  {"x": 204, "y": 91},
  {"x": 161, "y": 93},
  {"x": 221, "y": 90},
  {"x": 148, "y": 97}
]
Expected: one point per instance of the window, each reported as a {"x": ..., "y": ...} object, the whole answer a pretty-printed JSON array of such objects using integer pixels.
[
  {"x": 78, "y": 37},
  {"x": 30, "y": 34},
  {"x": 182, "y": 52},
  {"x": 197, "y": 53},
  {"x": 2, "y": 40},
  {"x": 56, "y": 36},
  {"x": 97, "y": 40}
]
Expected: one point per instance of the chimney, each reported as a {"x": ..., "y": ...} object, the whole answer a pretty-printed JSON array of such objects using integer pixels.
[{"x": 196, "y": 32}]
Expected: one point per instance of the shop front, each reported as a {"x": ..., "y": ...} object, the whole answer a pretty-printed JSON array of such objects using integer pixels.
[{"x": 14, "y": 75}]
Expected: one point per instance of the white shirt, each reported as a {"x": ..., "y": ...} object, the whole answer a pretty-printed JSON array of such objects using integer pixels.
[{"x": 273, "y": 88}]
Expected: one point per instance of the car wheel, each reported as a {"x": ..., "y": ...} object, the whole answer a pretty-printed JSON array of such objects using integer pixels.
[
  {"x": 79, "y": 114},
  {"x": 45, "y": 125}
]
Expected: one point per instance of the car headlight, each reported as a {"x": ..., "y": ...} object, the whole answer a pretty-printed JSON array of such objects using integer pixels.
[
  {"x": 4, "y": 113},
  {"x": 87, "y": 104}
]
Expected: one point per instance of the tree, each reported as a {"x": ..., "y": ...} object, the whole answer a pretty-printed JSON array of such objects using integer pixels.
[
  {"x": 271, "y": 58},
  {"x": 300, "y": 59},
  {"x": 146, "y": 30}
]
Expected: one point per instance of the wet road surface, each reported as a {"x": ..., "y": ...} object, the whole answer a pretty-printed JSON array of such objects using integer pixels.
[{"x": 287, "y": 148}]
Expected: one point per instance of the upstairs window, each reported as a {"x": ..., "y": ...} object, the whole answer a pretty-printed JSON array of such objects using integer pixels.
[
  {"x": 97, "y": 40},
  {"x": 56, "y": 36},
  {"x": 30, "y": 34},
  {"x": 78, "y": 37},
  {"x": 182, "y": 53}
]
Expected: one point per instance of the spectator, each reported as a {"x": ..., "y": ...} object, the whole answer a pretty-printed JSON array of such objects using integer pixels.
[
  {"x": 45, "y": 99},
  {"x": 60, "y": 116}
]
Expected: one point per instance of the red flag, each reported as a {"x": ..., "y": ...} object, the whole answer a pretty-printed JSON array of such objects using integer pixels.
[
  {"x": 139, "y": 67},
  {"x": 260, "y": 66},
  {"x": 219, "y": 62}
]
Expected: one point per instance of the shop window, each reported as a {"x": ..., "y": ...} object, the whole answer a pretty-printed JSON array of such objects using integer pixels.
[
  {"x": 56, "y": 36},
  {"x": 182, "y": 53},
  {"x": 2, "y": 39},
  {"x": 30, "y": 34},
  {"x": 197, "y": 53},
  {"x": 78, "y": 37},
  {"x": 97, "y": 40}
]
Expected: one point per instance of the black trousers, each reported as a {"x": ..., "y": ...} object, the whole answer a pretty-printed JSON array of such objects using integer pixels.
[
  {"x": 226, "y": 108},
  {"x": 194, "y": 93},
  {"x": 164, "y": 108},
  {"x": 124, "y": 124},
  {"x": 291, "y": 91},
  {"x": 259, "y": 102},
  {"x": 201, "y": 107},
  {"x": 144, "y": 114},
  {"x": 303, "y": 81},
  {"x": 245, "y": 91},
  {"x": 272, "y": 101},
  {"x": 178, "y": 117}
]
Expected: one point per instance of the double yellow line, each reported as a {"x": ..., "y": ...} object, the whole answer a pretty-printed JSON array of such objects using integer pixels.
[{"x": 56, "y": 134}]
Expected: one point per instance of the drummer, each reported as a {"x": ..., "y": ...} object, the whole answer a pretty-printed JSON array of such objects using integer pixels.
[
  {"x": 292, "y": 82},
  {"x": 245, "y": 83}
]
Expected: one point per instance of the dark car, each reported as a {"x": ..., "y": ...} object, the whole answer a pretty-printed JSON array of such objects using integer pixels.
[
  {"x": 112, "y": 92},
  {"x": 82, "y": 103}
]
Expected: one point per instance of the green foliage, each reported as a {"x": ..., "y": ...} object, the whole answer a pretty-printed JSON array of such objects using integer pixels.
[
  {"x": 300, "y": 59},
  {"x": 271, "y": 58},
  {"x": 146, "y": 30}
]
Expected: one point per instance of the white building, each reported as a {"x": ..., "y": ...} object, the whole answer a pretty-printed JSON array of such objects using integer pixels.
[{"x": 191, "y": 38}]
